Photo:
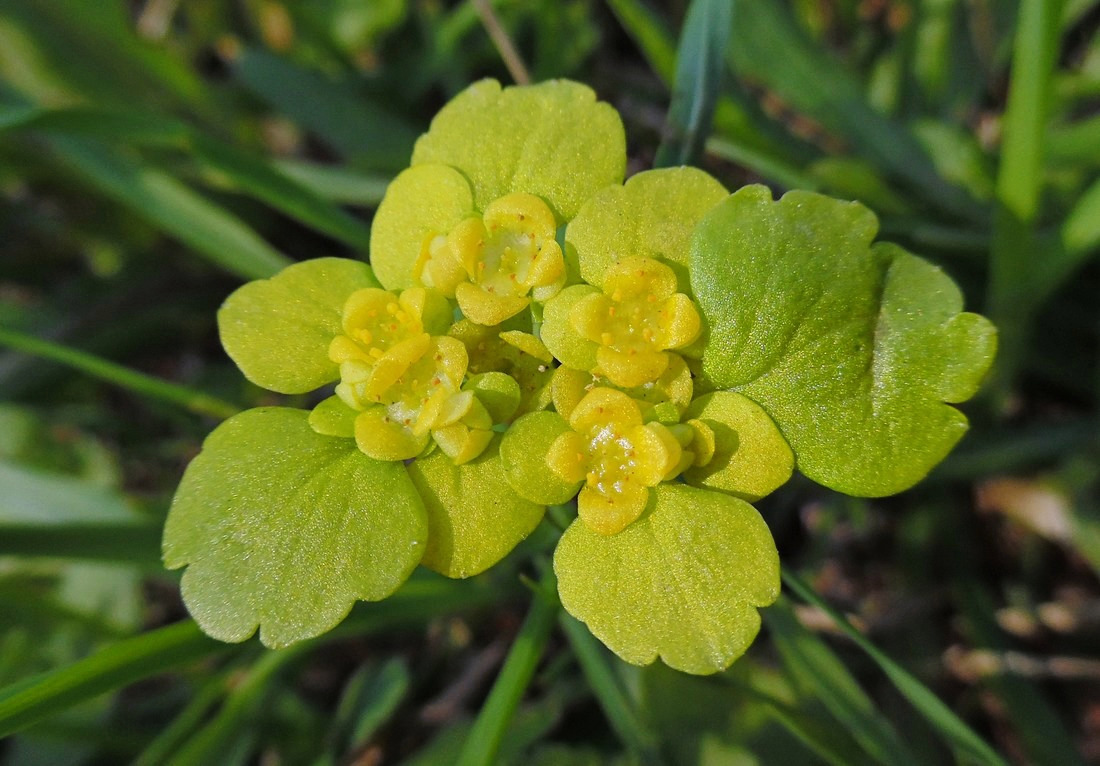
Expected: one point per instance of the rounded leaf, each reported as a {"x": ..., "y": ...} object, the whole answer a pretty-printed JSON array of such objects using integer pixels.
[
  {"x": 283, "y": 528},
  {"x": 553, "y": 140},
  {"x": 852, "y": 349},
  {"x": 751, "y": 458},
  {"x": 683, "y": 582},
  {"x": 333, "y": 418},
  {"x": 500, "y": 393},
  {"x": 474, "y": 517},
  {"x": 278, "y": 330},
  {"x": 523, "y": 452},
  {"x": 652, "y": 216},
  {"x": 560, "y": 336},
  {"x": 421, "y": 202}
]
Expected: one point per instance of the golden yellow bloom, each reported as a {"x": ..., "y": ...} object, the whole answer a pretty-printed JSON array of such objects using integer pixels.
[
  {"x": 636, "y": 320},
  {"x": 617, "y": 456},
  {"x": 494, "y": 265}
]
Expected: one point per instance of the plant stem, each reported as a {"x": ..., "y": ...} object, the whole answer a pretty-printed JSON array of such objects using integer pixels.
[
  {"x": 138, "y": 382},
  {"x": 484, "y": 739},
  {"x": 503, "y": 43}
]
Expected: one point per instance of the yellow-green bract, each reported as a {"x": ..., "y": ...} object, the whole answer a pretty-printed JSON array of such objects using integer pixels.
[{"x": 530, "y": 330}]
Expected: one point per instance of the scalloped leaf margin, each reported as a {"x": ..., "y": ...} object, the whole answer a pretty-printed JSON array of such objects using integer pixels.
[{"x": 855, "y": 349}]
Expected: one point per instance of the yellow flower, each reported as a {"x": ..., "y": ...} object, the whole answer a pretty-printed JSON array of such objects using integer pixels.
[
  {"x": 383, "y": 336},
  {"x": 636, "y": 320},
  {"x": 495, "y": 264},
  {"x": 617, "y": 456},
  {"x": 405, "y": 383}
]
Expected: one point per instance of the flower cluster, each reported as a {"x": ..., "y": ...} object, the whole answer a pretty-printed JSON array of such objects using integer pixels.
[{"x": 530, "y": 331}]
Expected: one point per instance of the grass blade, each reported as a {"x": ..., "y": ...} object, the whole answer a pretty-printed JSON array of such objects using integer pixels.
[
  {"x": 767, "y": 48},
  {"x": 596, "y": 662},
  {"x": 172, "y": 207},
  {"x": 240, "y": 709},
  {"x": 94, "y": 122},
  {"x": 232, "y": 167},
  {"x": 830, "y": 743},
  {"x": 1012, "y": 299},
  {"x": 648, "y": 31},
  {"x": 60, "y": 516},
  {"x": 258, "y": 178},
  {"x": 771, "y": 168},
  {"x": 1038, "y": 727},
  {"x": 819, "y": 671},
  {"x": 119, "y": 542},
  {"x": 170, "y": 739},
  {"x": 346, "y": 120},
  {"x": 138, "y": 382},
  {"x": 700, "y": 64},
  {"x": 939, "y": 715},
  {"x": 122, "y": 663},
  {"x": 335, "y": 183},
  {"x": 370, "y": 698},
  {"x": 483, "y": 743},
  {"x": 1076, "y": 144},
  {"x": 746, "y": 139}
]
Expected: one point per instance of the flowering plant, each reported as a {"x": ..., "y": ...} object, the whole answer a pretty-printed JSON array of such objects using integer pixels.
[{"x": 532, "y": 330}]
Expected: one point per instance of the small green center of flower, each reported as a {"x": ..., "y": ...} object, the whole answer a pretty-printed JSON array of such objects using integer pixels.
[
  {"x": 637, "y": 318},
  {"x": 494, "y": 265}
]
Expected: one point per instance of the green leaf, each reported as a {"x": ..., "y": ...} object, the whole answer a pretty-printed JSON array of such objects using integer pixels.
[
  {"x": 562, "y": 340},
  {"x": 278, "y": 330},
  {"x": 523, "y": 453},
  {"x": 474, "y": 517},
  {"x": 419, "y": 203},
  {"x": 553, "y": 140},
  {"x": 172, "y": 207},
  {"x": 852, "y": 349},
  {"x": 683, "y": 582},
  {"x": 700, "y": 64},
  {"x": 499, "y": 392},
  {"x": 652, "y": 216},
  {"x": 333, "y": 418},
  {"x": 285, "y": 529},
  {"x": 751, "y": 458}
]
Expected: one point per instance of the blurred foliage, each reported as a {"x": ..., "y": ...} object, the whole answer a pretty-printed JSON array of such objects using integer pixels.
[{"x": 156, "y": 153}]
